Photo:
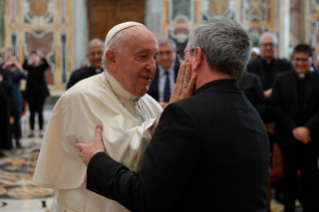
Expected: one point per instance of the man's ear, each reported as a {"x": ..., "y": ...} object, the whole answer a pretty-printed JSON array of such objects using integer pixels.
[
  {"x": 111, "y": 59},
  {"x": 198, "y": 55},
  {"x": 87, "y": 56}
]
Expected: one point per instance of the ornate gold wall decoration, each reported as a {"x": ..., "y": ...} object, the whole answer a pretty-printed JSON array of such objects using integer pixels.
[{"x": 44, "y": 25}]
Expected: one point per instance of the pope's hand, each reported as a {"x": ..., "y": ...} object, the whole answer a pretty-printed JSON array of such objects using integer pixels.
[{"x": 87, "y": 151}]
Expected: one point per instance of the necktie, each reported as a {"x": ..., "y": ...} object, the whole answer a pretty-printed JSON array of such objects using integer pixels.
[{"x": 167, "y": 90}]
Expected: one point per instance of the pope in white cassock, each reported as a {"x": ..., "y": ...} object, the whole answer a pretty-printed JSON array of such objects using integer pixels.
[{"x": 115, "y": 99}]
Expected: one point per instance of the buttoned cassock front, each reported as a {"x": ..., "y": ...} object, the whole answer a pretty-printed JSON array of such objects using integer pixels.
[{"x": 97, "y": 100}]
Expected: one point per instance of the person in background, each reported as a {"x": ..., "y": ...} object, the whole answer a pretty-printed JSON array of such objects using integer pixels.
[
  {"x": 5, "y": 97},
  {"x": 93, "y": 67},
  {"x": 251, "y": 86},
  {"x": 295, "y": 103},
  {"x": 166, "y": 72},
  {"x": 266, "y": 66},
  {"x": 36, "y": 89},
  {"x": 13, "y": 67},
  {"x": 255, "y": 51}
]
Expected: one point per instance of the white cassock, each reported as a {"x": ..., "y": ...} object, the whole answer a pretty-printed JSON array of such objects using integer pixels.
[{"x": 126, "y": 134}]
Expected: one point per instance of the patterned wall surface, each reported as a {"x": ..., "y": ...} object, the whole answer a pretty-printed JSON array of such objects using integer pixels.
[
  {"x": 179, "y": 17},
  {"x": 313, "y": 21},
  {"x": 43, "y": 25}
]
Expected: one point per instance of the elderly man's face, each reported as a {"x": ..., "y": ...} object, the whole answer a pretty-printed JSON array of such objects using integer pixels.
[
  {"x": 301, "y": 62},
  {"x": 136, "y": 61},
  {"x": 166, "y": 56},
  {"x": 267, "y": 48},
  {"x": 95, "y": 55}
]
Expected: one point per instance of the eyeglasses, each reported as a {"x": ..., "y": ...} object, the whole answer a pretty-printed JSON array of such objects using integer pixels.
[
  {"x": 168, "y": 53},
  {"x": 181, "y": 56},
  {"x": 302, "y": 59},
  {"x": 268, "y": 44}
]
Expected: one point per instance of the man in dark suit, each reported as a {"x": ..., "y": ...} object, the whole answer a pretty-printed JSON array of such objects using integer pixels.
[
  {"x": 166, "y": 72},
  {"x": 210, "y": 151},
  {"x": 266, "y": 66},
  {"x": 295, "y": 102},
  {"x": 94, "y": 56},
  {"x": 251, "y": 86}
]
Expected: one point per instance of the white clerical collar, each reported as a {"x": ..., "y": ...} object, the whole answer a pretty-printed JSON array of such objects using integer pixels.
[{"x": 118, "y": 88}]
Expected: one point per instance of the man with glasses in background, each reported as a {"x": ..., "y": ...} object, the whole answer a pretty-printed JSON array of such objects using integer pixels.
[
  {"x": 166, "y": 71},
  {"x": 295, "y": 104},
  {"x": 266, "y": 66}
]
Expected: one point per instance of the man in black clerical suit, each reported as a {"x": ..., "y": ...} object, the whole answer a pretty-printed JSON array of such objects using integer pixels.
[
  {"x": 295, "y": 103},
  {"x": 94, "y": 56},
  {"x": 166, "y": 71},
  {"x": 210, "y": 151},
  {"x": 251, "y": 86},
  {"x": 266, "y": 66}
]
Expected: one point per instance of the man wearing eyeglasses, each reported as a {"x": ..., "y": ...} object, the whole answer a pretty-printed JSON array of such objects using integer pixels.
[
  {"x": 166, "y": 72},
  {"x": 295, "y": 103},
  {"x": 266, "y": 66},
  {"x": 210, "y": 151}
]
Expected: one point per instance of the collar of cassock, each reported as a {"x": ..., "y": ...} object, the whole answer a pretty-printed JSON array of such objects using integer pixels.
[{"x": 118, "y": 88}]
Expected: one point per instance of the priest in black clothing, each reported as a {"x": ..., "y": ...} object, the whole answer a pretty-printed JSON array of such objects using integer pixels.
[
  {"x": 295, "y": 103},
  {"x": 94, "y": 56},
  {"x": 209, "y": 152},
  {"x": 266, "y": 66}
]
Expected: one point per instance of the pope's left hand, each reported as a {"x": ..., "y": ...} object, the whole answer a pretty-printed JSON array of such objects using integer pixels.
[{"x": 87, "y": 151}]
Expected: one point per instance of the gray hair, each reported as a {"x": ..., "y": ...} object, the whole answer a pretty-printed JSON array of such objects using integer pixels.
[
  {"x": 225, "y": 43},
  {"x": 96, "y": 41},
  {"x": 166, "y": 41},
  {"x": 269, "y": 34}
]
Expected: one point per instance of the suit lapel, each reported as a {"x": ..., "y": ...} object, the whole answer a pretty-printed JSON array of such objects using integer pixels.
[
  {"x": 309, "y": 86},
  {"x": 176, "y": 68},
  {"x": 292, "y": 84}
]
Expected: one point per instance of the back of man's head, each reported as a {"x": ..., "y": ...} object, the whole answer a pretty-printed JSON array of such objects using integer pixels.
[{"x": 225, "y": 43}]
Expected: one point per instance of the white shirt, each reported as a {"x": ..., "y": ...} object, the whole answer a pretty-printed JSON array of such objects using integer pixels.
[
  {"x": 99, "y": 99},
  {"x": 162, "y": 80}
]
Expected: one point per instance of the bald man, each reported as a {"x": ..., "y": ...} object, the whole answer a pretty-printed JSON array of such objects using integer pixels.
[
  {"x": 94, "y": 57},
  {"x": 117, "y": 100}
]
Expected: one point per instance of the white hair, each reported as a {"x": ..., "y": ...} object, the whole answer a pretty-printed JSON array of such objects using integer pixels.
[{"x": 269, "y": 34}]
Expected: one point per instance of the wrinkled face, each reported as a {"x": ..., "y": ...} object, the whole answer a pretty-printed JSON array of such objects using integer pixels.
[
  {"x": 166, "y": 55},
  {"x": 267, "y": 48},
  {"x": 35, "y": 59},
  {"x": 136, "y": 61},
  {"x": 95, "y": 55},
  {"x": 301, "y": 62}
]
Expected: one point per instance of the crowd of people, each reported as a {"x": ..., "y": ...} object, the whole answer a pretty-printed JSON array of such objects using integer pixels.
[
  {"x": 12, "y": 98},
  {"x": 119, "y": 72}
]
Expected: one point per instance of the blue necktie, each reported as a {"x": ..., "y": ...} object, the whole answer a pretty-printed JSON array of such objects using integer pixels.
[{"x": 167, "y": 89}]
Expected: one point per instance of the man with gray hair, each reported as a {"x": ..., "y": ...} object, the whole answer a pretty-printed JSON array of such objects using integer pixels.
[
  {"x": 94, "y": 56},
  {"x": 166, "y": 71},
  {"x": 266, "y": 66},
  {"x": 210, "y": 151}
]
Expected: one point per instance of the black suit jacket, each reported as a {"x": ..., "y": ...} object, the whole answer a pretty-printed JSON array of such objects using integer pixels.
[
  {"x": 80, "y": 74},
  {"x": 210, "y": 152},
  {"x": 284, "y": 101},
  {"x": 153, "y": 91},
  {"x": 251, "y": 86},
  {"x": 256, "y": 66}
]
